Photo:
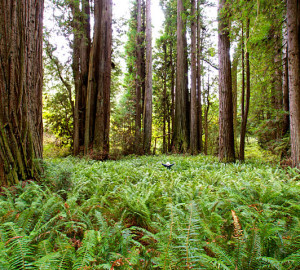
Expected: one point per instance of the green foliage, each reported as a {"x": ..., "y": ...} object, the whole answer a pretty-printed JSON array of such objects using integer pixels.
[
  {"x": 58, "y": 116},
  {"x": 136, "y": 214}
]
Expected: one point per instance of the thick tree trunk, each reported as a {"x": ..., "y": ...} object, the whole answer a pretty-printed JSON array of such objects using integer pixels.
[
  {"x": 226, "y": 135},
  {"x": 85, "y": 47},
  {"x": 293, "y": 14},
  {"x": 180, "y": 132},
  {"x": 138, "y": 89},
  {"x": 148, "y": 90},
  {"x": 193, "y": 115},
  {"x": 97, "y": 122},
  {"x": 103, "y": 40},
  {"x": 21, "y": 80}
]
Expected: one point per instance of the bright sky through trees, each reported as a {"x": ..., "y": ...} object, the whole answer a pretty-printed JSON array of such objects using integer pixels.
[{"x": 121, "y": 8}]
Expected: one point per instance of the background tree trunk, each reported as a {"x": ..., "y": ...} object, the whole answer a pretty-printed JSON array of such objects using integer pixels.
[
  {"x": 76, "y": 72},
  {"x": 165, "y": 115},
  {"x": 138, "y": 90},
  {"x": 293, "y": 14},
  {"x": 148, "y": 90},
  {"x": 193, "y": 115},
  {"x": 199, "y": 69},
  {"x": 245, "y": 109},
  {"x": 234, "y": 73},
  {"x": 285, "y": 93},
  {"x": 21, "y": 81},
  {"x": 226, "y": 136}
]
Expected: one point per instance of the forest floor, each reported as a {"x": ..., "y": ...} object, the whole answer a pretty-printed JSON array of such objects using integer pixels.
[{"x": 136, "y": 214}]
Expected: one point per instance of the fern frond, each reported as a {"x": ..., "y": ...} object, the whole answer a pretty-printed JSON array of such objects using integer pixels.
[
  {"x": 271, "y": 262},
  {"x": 19, "y": 248},
  {"x": 85, "y": 255}
]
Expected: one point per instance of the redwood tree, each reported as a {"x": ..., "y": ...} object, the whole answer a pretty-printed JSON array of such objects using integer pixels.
[
  {"x": 226, "y": 135},
  {"x": 148, "y": 89},
  {"x": 21, "y": 79},
  {"x": 97, "y": 122},
  {"x": 81, "y": 51},
  {"x": 180, "y": 132},
  {"x": 293, "y": 20}
]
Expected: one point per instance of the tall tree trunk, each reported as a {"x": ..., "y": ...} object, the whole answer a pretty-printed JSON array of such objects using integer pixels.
[
  {"x": 148, "y": 89},
  {"x": 143, "y": 41},
  {"x": 76, "y": 71},
  {"x": 165, "y": 116},
  {"x": 226, "y": 135},
  {"x": 172, "y": 90},
  {"x": 199, "y": 68},
  {"x": 234, "y": 72},
  {"x": 21, "y": 80},
  {"x": 138, "y": 90},
  {"x": 98, "y": 97},
  {"x": 246, "y": 110},
  {"x": 193, "y": 115},
  {"x": 103, "y": 39},
  {"x": 243, "y": 89},
  {"x": 180, "y": 132},
  {"x": 85, "y": 47},
  {"x": 293, "y": 14}
]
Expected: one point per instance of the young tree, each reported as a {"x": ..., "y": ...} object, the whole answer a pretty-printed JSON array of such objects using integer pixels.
[
  {"x": 293, "y": 21},
  {"x": 148, "y": 90},
  {"x": 226, "y": 135},
  {"x": 180, "y": 132},
  {"x": 21, "y": 80}
]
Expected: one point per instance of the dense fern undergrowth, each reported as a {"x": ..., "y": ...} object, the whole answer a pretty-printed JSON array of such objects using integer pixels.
[{"x": 136, "y": 214}]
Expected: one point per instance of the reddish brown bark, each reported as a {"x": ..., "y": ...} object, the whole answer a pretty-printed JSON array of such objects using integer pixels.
[
  {"x": 180, "y": 132},
  {"x": 148, "y": 89},
  {"x": 21, "y": 79},
  {"x": 98, "y": 96},
  {"x": 293, "y": 14},
  {"x": 226, "y": 135}
]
